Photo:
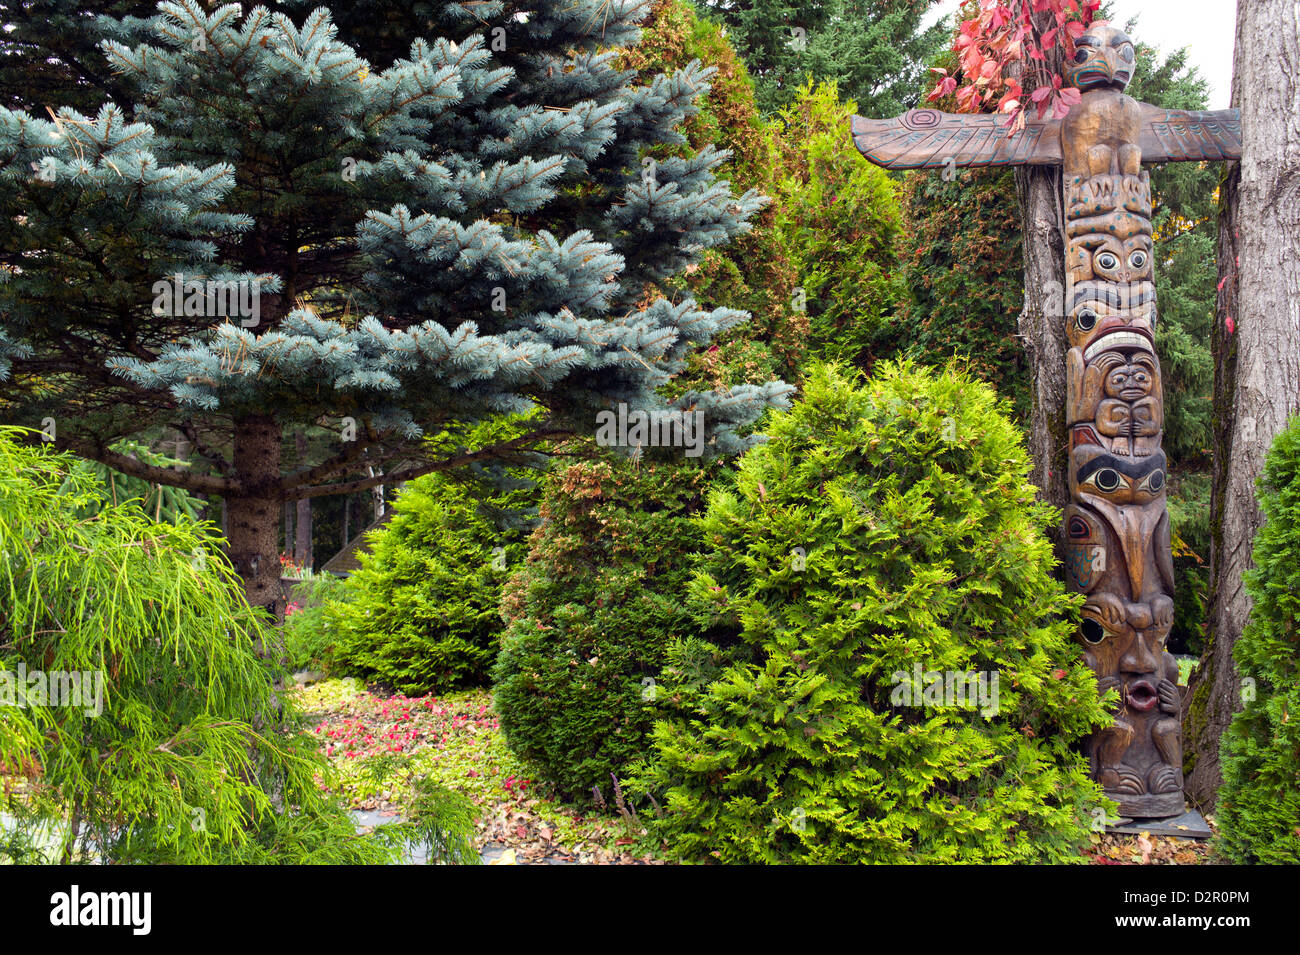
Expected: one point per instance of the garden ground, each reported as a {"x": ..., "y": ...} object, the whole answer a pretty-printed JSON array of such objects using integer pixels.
[{"x": 377, "y": 742}]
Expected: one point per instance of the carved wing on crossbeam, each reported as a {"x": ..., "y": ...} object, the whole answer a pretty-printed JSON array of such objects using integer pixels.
[
  {"x": 927, "y": 139},
  {"x": 1172, "y": 135}
]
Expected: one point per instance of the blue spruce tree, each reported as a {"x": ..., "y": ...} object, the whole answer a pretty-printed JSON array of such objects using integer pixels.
[{"x": 389, "y": 228}]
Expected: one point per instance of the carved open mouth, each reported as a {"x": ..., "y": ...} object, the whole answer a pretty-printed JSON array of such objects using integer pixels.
[
  {"x": 1141, "y": 695},
  {"x": 1123, "y": 340}
]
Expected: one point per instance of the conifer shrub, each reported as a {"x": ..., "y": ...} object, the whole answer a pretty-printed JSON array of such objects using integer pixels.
[
  {"x": 840, "y": 219},
  {"x": 138, "y": 720},
  {"x": 887, "y": 528},
  {"x": 1259, "y": 803},
  {"x": 591, "y": 614},
  {"x": 421, "y": 614}
]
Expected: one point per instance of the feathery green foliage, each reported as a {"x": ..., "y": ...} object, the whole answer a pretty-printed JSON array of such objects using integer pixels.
[
  {"x": 885, "y": 525},
  {"x": 1259, "y": 803},
  {"x": 174, "y": 747},
  {"x": 308, "y": 635}
]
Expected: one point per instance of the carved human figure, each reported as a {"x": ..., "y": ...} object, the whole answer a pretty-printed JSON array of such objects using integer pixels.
[{"x": 1130, "y": 414}]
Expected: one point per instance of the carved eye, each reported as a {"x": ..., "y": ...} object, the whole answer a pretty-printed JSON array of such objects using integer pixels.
[
  {"x": 1105, "y": 480},
  {"x": 1126, "y": 53},
  {"x": 1081, "y": 55},
  {"x": 1092, "y": 631},
  {"x": 1138, "y": 259},
  {"x": 1154, "y": 482},
  {"x": 1086, "y": 320},
  {"x": 1107, "y": 261}
]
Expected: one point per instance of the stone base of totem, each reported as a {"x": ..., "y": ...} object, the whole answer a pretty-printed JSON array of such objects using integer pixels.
[
  {"x": 1189, "y": 825},
  {"x": 1149, "y": 805}
]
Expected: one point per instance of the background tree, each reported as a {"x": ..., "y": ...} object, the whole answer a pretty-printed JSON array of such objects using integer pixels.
[
  {"x": 466, "y": 232},
  {"x": 875, "y": 51},
  {"x": 1256, "y": 343},
  {"x": 754, "y": 272},
  {"x": 840, "y": 220}
]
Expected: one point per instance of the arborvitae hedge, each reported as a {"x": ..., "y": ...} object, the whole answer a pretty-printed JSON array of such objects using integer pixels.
[
  {"x": 885, "y": 525},
  {"x": 1259, "y": 804},
  {"x": 591, "y": 614},
  {"x": 421, "y": 613}
]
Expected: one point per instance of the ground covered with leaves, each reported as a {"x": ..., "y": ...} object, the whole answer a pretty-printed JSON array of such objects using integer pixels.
[
  {"x": 1114, "y": 848},
  {"x": 379, "y": 743}
]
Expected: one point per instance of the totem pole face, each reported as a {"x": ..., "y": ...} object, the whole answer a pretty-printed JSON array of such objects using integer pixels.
[{"x": 1103, "y": 59}]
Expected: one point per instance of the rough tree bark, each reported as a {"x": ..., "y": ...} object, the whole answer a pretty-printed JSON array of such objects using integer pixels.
[
  {"x": 1042, "y": 328},
  {"x": 1041, "y": 323},
  {"x": 302, "y": 520},
  {"x": 1256, "y": 350},
  {"x": 253, "y": 511}
]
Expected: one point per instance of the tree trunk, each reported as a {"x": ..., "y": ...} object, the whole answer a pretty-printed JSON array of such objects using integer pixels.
[
  {"x": 1256, "y": 350},
  {"x": 302, "y": 521},
  {"x": 253, "y": 512},
  {"x": 288, "y": 528},
  {"x": 1041, "y": 323},
  {"x": 1042, "y": 328},
  {"x": 302, "y": 534}
]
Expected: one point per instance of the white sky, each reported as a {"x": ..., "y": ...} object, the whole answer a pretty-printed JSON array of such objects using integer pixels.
[{"x": 1205, "y": 27}]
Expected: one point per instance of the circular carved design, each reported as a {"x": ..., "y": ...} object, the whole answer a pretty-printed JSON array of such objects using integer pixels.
[{"x": 922, "y": 118}]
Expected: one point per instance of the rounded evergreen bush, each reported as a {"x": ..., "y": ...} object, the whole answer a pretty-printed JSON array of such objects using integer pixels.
[
  {"x": 886, "y": 532},
  {"x": 590, "y": 617},
  {"x": 1259, "y": 803},
  {"x": 421, "y": 615}
]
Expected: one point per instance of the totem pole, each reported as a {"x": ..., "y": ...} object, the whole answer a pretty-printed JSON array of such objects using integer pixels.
[{"x": 1116, "y": 526}]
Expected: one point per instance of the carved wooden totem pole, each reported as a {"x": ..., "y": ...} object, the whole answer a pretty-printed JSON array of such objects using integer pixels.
[{"x": 1116, "y": 526}]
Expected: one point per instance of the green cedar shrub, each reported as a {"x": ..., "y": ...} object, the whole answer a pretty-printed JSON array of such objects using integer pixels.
[
  {"x": 421, "y": 614},
  {"x": 840, "y": 217},
  {"x": 884, "y": 525},
  {"x": 193, "y": 758},
  {"x": 591, "y": 614},
  {"x": 1259, "y": 803}
]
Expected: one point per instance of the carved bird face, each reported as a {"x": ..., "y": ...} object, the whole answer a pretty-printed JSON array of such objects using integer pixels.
[{"x": 1103, "y": 58}]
